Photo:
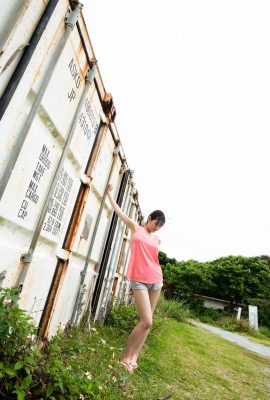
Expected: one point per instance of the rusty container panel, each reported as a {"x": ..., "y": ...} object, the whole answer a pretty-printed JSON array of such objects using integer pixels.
[{"x": 76, "y": 216}]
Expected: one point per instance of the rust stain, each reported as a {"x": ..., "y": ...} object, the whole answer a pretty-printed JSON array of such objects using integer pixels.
[
  {"x": 96, "y": 267},
  {"x": 115, "y": 284},
  {"x": 80, "y": 50},
  {"x": 121, "y": 256},
  {"x": 96, "y": 151},
  {"x": 53, "y": 43},
  {"x": 84, "y": 69},
  {"x": 57, "y": 283},
  {"x": 77, "y": 216}
]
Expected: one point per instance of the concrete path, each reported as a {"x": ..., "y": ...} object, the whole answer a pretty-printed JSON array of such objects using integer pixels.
[{"x": 234, "y": 337}]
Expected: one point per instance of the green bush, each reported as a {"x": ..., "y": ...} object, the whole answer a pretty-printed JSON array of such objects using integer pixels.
[
  {"x": 264, "y": 331},
  {"x": 207, "y": 315},
  {"x": 18, "y": 351},
  {"x": 28, "y": 373},
  {"x": 230, "y": 323},
  {"x": 123, "y": 317},
  {"x": 58, "y": 380},
  {"x": 173, "y": 309}
]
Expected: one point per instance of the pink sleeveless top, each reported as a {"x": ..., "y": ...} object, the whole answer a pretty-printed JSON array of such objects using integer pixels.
[{"x": 143, "y": 264}]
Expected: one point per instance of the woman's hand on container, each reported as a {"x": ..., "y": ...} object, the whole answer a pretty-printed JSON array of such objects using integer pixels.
[
  {"x": 109, "y": 188},
  {"x": 128, "y": 221}
]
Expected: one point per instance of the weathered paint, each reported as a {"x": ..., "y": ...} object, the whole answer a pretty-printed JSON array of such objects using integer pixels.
[
  {"x": 18, "y": 19},
  {"x": 52, "y": 280}
]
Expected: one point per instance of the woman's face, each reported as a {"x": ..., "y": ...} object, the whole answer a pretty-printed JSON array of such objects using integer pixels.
[{"x": 154, "y": 225}]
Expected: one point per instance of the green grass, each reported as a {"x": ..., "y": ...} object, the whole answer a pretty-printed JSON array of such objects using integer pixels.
[
  {"x": 178, "y": 359},
  {"x": 257, "y": 338}
]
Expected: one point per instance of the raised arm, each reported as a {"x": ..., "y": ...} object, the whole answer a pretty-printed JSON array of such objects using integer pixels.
[{"x": 128, "y": 221}]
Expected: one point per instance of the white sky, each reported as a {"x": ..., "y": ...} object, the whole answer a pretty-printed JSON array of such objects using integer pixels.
[{"x": 191, "y": 85}]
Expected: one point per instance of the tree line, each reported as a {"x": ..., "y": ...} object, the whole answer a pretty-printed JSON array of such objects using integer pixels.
[{"x": 237, "y": 279}]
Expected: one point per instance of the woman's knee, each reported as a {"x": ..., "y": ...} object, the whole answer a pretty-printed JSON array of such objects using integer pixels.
[{"x": 147, "y": 323}]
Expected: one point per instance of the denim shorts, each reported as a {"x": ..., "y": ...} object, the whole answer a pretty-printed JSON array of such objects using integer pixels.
[{"x": 145, "y": 286}]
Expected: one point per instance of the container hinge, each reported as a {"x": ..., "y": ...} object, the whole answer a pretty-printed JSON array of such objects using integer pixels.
[
  {"x": 124, "y": 167},
  {"x": 103, "y": 118},
  {"x": 85, "y": 179},
  {"x": 27, "y": 258},
  {"x": 3, "y": 275},
  {"x": 90, "y": 76},
  {"x": 117, "y": 149},
  {"x": 62, "y": 254},
  {"x": 72, "y": 16},
  {"x": 108, "y": 107}
]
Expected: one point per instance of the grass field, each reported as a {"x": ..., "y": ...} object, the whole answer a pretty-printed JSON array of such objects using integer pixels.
[
  {"x": 179, "y": 361},
  {"x": 257, "y": 338}
]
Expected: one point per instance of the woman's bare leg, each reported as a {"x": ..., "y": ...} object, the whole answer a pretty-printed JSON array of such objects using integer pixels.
[
  {"x": 145, "y": 302},
  {"x": 143, "y": 305},
  {"x": 153, "y": 297}
]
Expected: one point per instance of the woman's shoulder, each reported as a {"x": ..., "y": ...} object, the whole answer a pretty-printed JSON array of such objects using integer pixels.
[{"x": 135, "y": 229}]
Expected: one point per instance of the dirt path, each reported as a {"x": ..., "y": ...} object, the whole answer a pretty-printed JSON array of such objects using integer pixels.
[{"x": 234, "y": 337}]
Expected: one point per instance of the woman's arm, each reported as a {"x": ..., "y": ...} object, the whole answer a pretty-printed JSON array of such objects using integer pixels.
[{"x": 128, "y": 221}]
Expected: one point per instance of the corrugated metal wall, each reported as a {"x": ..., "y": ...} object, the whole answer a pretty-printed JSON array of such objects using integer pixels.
[{"x": 59, "y": 149}]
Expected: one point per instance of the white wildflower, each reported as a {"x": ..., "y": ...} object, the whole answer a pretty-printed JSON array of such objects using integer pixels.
[
  {"x": 88, "y": 375},
  {"x": 61, "y": 326},
  {"x": 6, "y": 301},
  {"x": 114, "y": 379},
  {"x": 103, "y": 341}
]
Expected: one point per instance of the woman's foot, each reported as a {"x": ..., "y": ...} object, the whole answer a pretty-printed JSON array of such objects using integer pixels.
[
  {"x": 127, "y": 365},
  {"x": 134, "y": 365}
]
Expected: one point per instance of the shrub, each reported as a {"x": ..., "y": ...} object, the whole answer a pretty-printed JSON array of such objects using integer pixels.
[
  {"x": 123, "y": 317},
  {"x": 209, "y": 315},
  {"x": 264, "y": 331},
  {"x": 230, "y": 323},
  {"x": 19, "y": 353},
  {"x": 173, "y": 309},
  {"x": 25, "y": 371}
]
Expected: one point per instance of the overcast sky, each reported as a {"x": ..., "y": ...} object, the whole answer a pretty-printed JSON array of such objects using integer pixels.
[{"x": 191, "y": 85}]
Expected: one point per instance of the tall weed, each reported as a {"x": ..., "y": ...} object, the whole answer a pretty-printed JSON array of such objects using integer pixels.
[{"x": 173, "y": 309}]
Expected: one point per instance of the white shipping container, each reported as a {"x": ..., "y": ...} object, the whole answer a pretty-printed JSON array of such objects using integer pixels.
[{"x": 59, "y": 149}]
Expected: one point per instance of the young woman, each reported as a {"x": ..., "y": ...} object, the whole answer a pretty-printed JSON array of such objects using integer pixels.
[{"x": 145, "y": 277}]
